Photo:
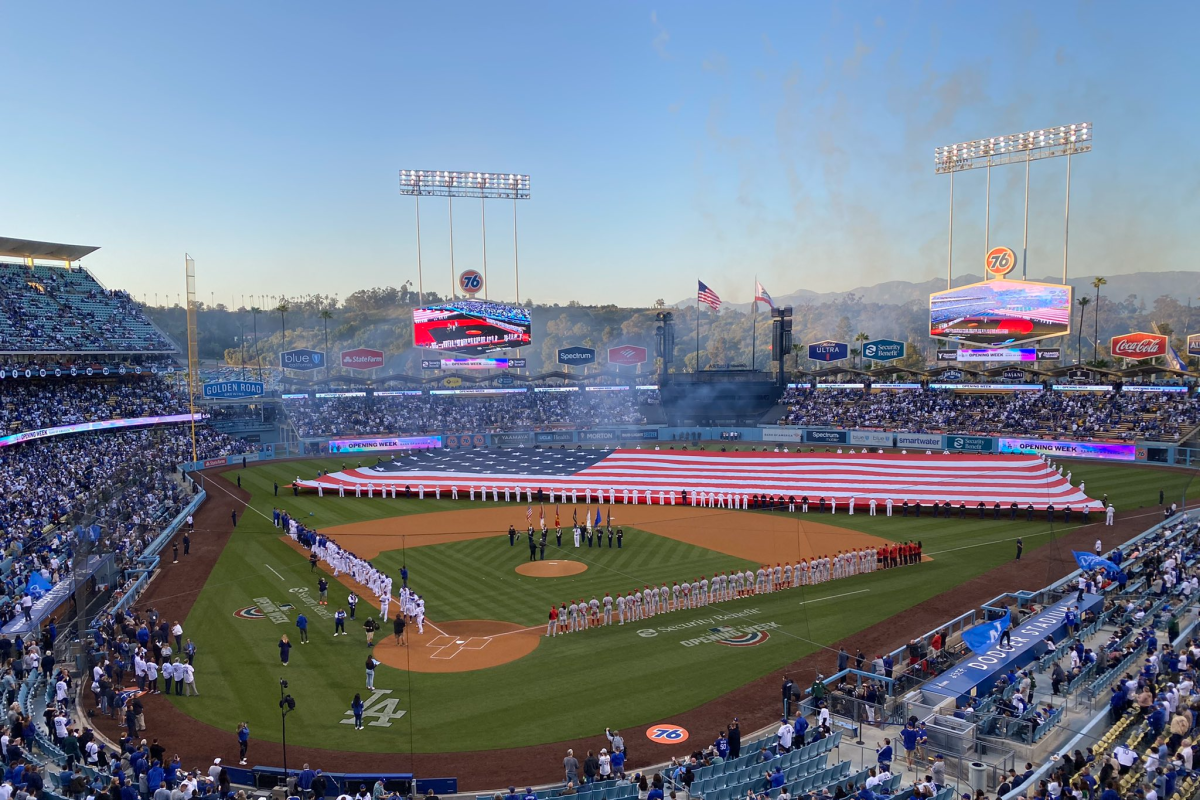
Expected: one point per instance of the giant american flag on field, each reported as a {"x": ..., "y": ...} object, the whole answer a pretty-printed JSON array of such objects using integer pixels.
[{"x": 959, "y": 478}]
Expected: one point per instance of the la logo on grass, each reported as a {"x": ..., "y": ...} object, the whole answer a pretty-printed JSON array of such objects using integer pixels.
[{"x": 379, "y": 708}]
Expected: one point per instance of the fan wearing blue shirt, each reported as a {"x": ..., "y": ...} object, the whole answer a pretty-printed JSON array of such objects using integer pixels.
[
  {"x": 800, "y": 730},
  {"x": 909, "y": 737},
  {"x": 722, "y": 745},
  {"x": 883, "y": 754}
]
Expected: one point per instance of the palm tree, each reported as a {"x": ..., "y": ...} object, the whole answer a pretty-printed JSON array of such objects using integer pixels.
[
  {"x": 1083, "y": 304},
  {"x": 325, "y": 316},
  {"x": 859, "y": 339},
  {"x": 254, "y": 312},
  {"x": 282, "y": 308},
  {"x": 1096, "y": 317}
]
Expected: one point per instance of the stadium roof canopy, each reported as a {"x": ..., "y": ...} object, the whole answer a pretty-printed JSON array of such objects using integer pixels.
[{"x": 28, "y": 248}]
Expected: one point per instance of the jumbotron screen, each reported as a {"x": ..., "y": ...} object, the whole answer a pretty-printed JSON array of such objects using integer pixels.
[
  {"x": 471, "y": 326},
  {"x": 1000, "y": 312}
]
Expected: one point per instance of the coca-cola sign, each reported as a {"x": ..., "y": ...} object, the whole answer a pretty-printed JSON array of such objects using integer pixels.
[{"x": 1139, "y": 345}]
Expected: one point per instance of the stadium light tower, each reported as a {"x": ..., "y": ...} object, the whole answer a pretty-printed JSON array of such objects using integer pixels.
[
  {"x": 484, "y": 185},
  {"x": 1016, "y": 148}
]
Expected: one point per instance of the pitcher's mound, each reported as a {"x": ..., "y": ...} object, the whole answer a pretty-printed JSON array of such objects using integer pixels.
[{"x": 551, "y": 569}]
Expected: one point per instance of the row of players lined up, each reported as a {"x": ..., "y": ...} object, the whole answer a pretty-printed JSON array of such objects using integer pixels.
[
  {"x": 412, "y": 605},
  {"x": 730, "y": 500},
  {"x": 650, "y": 601}
]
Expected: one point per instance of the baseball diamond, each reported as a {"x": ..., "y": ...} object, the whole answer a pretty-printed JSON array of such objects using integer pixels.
[{"x": 730, "y": 470}]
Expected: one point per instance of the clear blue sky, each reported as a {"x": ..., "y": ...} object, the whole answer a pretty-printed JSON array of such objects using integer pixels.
[{"x": 666, "y": 141}]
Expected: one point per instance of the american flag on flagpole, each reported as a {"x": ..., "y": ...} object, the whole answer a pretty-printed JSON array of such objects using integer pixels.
[
  {"x": 761, "y": 295},
  {"x": 529, "y": 513},
  {"x": 708, "y": 296}
]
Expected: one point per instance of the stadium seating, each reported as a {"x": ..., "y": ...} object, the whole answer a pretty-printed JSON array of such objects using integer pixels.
[
  {"x": 431, "y": 413},
  {"x": 42, "y": 404},
  {"x": 1121, "y": 416},
  {"x": 47, "y": 309}
]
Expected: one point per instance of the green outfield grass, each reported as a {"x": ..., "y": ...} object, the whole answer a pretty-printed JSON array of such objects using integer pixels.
[{"x": 572, "y": 686}]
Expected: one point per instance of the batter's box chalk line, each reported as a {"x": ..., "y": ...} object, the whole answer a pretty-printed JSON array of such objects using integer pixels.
[{"x": 455, "y": 646}]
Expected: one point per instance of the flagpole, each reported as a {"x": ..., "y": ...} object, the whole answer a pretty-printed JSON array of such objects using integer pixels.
[
  {"x": 753, "y": 319},
  {"x": 697, "y": 325}
]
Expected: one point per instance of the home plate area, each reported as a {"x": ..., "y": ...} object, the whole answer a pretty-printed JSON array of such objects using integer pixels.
[
  {"x": 459, "y": 646},
  {"x": 449, "y": 646}
]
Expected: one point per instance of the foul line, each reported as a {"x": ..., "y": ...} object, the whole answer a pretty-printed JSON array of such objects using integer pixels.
[
  {"x": 1051, "y": 532},
  {"x": 277, "y": 575},
  {"x": 833, "y": 596}
]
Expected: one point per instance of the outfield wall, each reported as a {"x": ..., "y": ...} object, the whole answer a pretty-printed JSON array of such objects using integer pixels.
[{"x": 790, "y": 435}]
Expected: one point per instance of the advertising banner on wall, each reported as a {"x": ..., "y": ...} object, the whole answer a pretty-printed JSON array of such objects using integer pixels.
[
  {"x": 926, "y": 440},
  {"x": 1193, "y": 344},
  {"x": 872, "y": 438},
  {"x": 783, "y": 434},
  {"x": 969, "y": 444},
  {"x": 1048, "y": 447},
  {"x": 554, "y": 437},
  {"x": 385, "y": 443},
  {"x": 825, "y": 437},
  {"x": 512, "y": 439}
]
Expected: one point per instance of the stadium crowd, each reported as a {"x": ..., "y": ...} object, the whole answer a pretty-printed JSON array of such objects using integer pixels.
[
  {"x": 43, "y": 404},
  {"x": 121, "y": 480},
  {"x": 1077, "y": 415},
  {"x": 51, "y": 309},
  {"x": 426, "y": 413}
]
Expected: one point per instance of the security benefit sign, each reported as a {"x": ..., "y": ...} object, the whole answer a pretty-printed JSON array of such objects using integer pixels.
[
  {"x": 232, "y": 390},
  {"x": 883, "y": 350}
]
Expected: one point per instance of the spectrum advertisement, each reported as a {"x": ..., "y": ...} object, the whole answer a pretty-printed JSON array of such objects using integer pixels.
[
  {"x": 1048, "y": 447},
  {"x": 387, "y": 443},
  {"x": 103, "y": 425}
]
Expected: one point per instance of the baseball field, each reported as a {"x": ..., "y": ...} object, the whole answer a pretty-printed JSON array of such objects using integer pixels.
[{"x": 483, "y": 676}]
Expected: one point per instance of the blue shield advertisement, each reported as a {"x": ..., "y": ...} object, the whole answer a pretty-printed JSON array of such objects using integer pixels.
[
  {"x": 302, "y": 360},
  {"x": 232, "y": 390},
  {"x": 577, "y": 356},
  {"x": 829, "y": 351},
  {"x": 883, "y": 350}
]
